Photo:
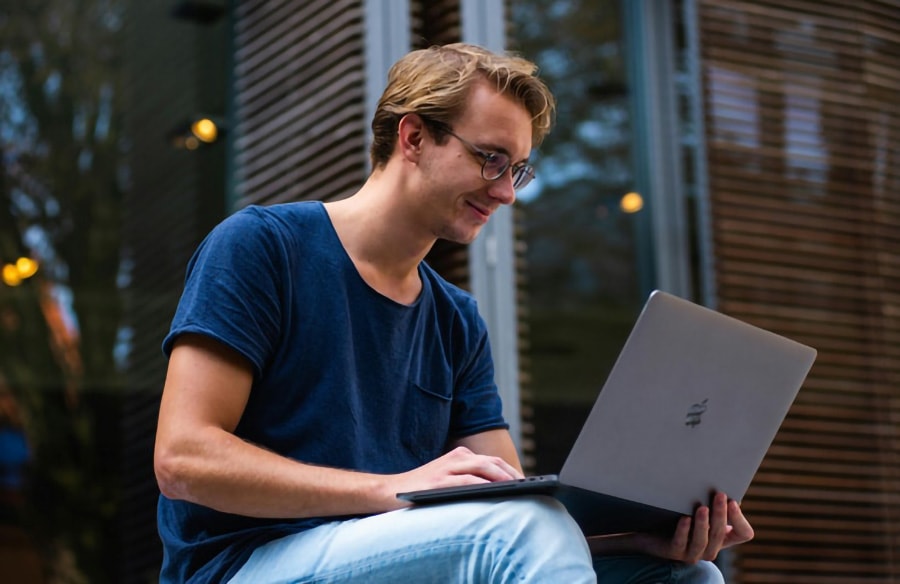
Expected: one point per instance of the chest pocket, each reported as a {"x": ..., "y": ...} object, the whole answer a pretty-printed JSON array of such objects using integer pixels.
[{"x": 426, "y": 420}]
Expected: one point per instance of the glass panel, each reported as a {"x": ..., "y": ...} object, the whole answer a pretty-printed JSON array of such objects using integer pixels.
[
  {"x": 60, "y": 317},
  {"x": 581, "y": 216},
  {"x": 101, "y": 201}
]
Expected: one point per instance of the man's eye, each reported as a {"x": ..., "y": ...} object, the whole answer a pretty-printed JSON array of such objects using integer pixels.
[{"x": 495, "y": 160}]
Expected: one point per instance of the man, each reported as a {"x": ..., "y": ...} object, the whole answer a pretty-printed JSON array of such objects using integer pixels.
[{"x": 318, "y": 367}]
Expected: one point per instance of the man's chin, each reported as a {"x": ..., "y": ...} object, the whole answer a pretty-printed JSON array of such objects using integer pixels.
[{"x": 462, "y": 238}]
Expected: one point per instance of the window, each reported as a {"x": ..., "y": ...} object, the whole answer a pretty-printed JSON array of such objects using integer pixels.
[{"x": 588, "y": 259}]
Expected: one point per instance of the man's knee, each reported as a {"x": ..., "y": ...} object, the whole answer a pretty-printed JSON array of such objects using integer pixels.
[
  {"x": 640, "y": 568},
  {"x": 702, "y": 573},
  {"x": 545, "y": 538}
]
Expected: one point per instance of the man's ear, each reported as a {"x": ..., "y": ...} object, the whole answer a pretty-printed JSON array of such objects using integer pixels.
[{"x": 411, "y": 133}]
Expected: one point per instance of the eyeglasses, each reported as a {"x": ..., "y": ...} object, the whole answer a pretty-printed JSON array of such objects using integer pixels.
[{"x": 496, "y": 164}]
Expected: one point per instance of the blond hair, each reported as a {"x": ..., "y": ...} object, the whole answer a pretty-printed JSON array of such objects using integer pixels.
[{"x": 435, "y": 83}]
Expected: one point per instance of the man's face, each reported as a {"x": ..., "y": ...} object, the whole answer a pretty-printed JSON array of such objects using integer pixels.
[{"x": 458, "y": 199}]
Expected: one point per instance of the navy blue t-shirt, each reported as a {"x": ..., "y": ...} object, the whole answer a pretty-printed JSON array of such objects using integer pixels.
[{"x": 343, "y": 376}]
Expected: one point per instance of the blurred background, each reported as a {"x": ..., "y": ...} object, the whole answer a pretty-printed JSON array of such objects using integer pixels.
[{"x": 742, "y": 154}]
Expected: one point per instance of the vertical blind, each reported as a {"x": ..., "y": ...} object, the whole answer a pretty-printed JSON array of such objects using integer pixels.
[{"x": 803, "y": 134}]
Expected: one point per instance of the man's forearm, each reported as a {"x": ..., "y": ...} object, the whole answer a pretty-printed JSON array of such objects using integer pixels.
[{"x": 219, "y": 470}]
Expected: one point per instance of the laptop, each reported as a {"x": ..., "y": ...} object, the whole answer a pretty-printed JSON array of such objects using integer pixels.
[{"x": 690, "y": 407}]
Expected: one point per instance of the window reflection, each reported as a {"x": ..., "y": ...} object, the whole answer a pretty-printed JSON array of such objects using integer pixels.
[
  {"x": 579, "y": 216},
  {"x": 61, "y": 153}
]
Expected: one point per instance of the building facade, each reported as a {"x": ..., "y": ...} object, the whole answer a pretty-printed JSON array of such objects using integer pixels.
[{"x": 742, "y": 154}]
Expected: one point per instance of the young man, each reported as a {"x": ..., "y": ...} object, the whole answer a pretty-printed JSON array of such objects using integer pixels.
[{"x": 318, "y": 367}]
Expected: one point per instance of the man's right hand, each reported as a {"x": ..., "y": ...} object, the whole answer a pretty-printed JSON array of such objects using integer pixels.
[{"x": 458, "y": 467}]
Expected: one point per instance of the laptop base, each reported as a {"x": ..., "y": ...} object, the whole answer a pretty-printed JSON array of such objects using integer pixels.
[{"x": 595, "y": 513}]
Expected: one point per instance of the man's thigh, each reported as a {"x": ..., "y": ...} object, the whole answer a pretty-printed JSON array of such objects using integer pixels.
[{"x": 530, "y": 539}]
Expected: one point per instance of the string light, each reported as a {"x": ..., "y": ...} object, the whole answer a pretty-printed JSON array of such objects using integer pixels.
[
  {"x": 205, "y": 130},
  {"x": 631, "y": 202},
  {"x": 26, "y": 267},
  {"x": 195, "y": 133},
  {"x": 14, "y": 273}
]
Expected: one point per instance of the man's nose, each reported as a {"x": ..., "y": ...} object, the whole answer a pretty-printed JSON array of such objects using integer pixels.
[{"x": 502, "y": 189}]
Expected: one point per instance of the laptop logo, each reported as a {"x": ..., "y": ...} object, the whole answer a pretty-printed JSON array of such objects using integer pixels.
[{"x": 694, "y": 414}]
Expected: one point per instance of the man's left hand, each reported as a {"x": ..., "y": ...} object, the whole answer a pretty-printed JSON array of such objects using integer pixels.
[{"x": 711, "y": 529}]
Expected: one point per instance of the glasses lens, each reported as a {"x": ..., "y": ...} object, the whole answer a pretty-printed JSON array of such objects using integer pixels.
[
  {"x": 522, "y": 175},
  {"x": 495, "y": 164}
]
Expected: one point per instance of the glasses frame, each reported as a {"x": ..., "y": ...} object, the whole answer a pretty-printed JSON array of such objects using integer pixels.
[{"x": 522, "y": 173}]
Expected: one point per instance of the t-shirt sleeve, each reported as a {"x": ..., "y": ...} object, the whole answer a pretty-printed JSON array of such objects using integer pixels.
[
  {"x": 232, "y": 289},
  {"x": 477, "y": 406}
]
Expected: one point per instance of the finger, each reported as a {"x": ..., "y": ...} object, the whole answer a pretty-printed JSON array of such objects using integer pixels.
[
  {"x": 699, "y": 535},
  {"x": 741, "y": 530},
  {"x": 491, "y": 468},
  {"x": 494, "y": 468},
  {"x": 465, "y": 479},
  {"x": 679, "y": 543},
  {"x": 718, "y": 526},
  {"x": 509, "y": 469},
  {"x": 459, "y": 452}
]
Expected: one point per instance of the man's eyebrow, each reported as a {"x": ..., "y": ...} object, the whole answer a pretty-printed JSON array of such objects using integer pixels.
[{"x": 496, "y": 148}]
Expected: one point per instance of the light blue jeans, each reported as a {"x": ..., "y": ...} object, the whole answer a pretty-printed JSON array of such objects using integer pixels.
[{"x": 526, "y": 539}]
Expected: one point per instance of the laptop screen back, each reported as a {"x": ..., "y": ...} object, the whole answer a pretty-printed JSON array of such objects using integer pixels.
[{"x": 691, "y": 406}]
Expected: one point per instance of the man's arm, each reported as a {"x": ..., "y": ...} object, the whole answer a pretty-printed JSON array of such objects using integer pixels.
[{"x": 199, "y": 459}]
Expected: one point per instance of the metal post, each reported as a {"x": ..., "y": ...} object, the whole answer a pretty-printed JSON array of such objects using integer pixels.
[{"x": 388, "y": 37}]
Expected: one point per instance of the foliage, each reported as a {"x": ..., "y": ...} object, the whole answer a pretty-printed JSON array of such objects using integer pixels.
[
  {"x": 60, "y": 201},
  {"x": 581, "y": 247}
]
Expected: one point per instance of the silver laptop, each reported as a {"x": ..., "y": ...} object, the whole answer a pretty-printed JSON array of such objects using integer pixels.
[{"x": 690, "y": 407}]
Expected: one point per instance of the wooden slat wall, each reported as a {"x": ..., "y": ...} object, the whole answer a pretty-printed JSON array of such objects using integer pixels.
[
  {"x": 803, "y": 133},
  {"x": 173, "y": 70},
  {"x": 299, "y": 96},
  {"x": 300, "y": 102},
  {"x": 437, "y": 22},
  {"x": 528, "y": 444}
]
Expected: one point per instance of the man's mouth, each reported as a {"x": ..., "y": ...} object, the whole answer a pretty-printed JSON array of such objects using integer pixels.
[{"x": 483, "y": 211}]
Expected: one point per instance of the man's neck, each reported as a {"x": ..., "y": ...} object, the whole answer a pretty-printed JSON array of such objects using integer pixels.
[{"x": 382, "y": 239}]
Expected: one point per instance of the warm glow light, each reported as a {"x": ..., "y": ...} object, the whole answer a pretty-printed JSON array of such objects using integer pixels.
[
  {"x": 205, "y": 129},
  {"x": 11, "y": 275},
  {"x": 191, "y": 143},
  {"x": 632, "y": 203},
  {"x": 26, "y": 267}
]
